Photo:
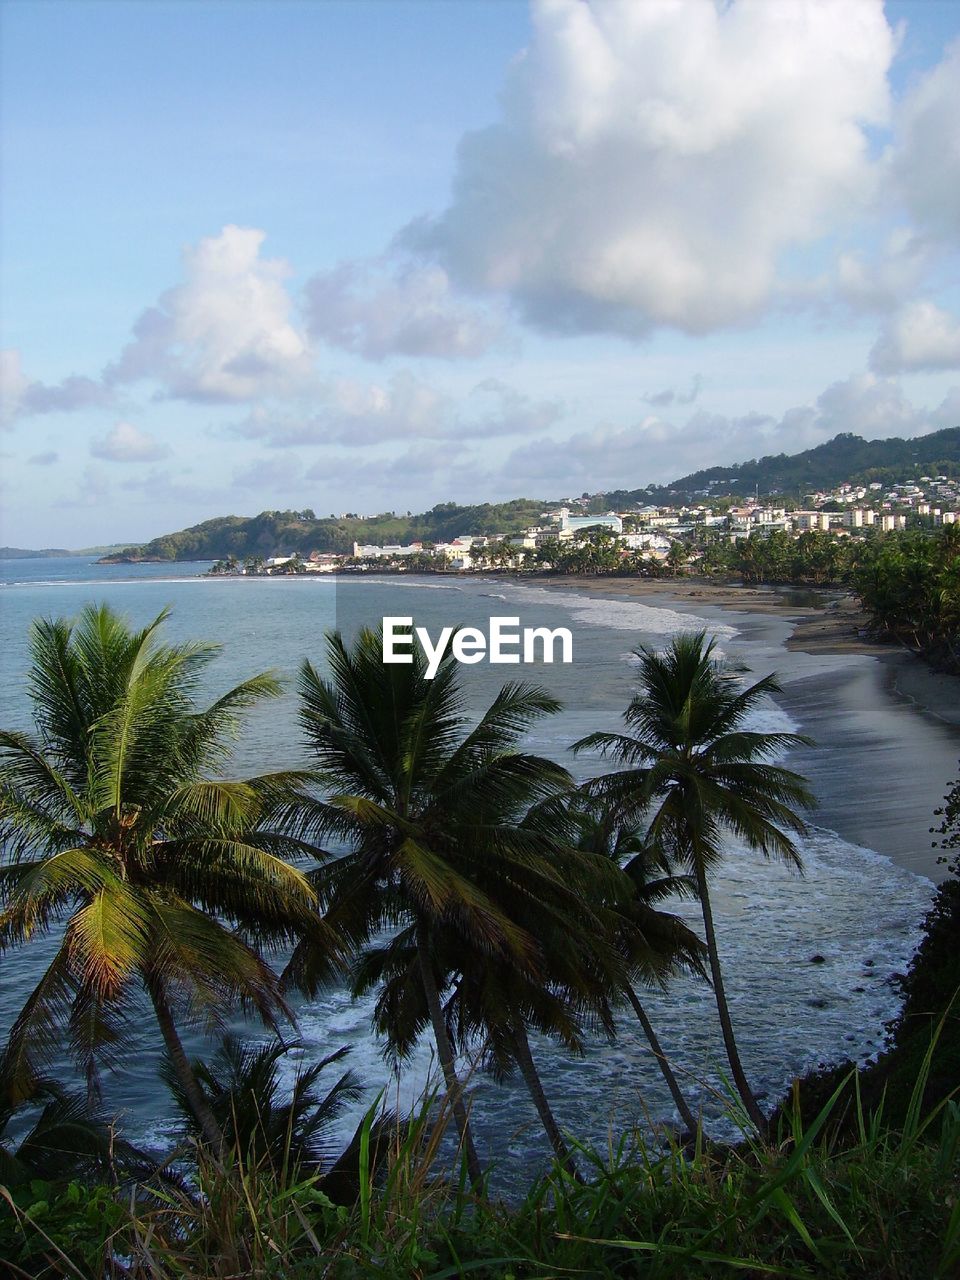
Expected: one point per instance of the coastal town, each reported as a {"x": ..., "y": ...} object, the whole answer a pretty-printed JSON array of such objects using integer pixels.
[{"x": 647, "y": 539}]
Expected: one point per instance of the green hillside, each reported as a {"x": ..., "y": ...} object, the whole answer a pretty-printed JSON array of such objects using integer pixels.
[
  {"x": 845, "y": 457},
  {"x": 286, "y": 532}
]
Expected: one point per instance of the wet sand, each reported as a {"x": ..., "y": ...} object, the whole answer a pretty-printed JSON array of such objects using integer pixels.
[{"x": 886, "y": 727}]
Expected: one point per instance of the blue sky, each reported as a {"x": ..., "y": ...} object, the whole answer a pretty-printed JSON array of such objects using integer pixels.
[{"x": 374, "y": 256}]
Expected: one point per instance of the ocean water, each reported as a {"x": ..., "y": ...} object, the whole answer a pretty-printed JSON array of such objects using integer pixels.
[{"x": 853, "y": 908}]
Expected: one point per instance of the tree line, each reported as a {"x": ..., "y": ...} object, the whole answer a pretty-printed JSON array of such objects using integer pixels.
[{"x": 908, "y": 581}]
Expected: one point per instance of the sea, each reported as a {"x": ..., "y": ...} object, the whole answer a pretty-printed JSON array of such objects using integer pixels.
[{"x": 809, "y": 959}]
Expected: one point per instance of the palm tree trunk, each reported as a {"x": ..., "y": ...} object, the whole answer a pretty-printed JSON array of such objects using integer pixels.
[
  {"x": 445, "y": 1052},
  {"x": 686, "y": 1115},
  {"x": 532, "y": 1080},
  {"x": 181, "y": 1065},
  {"x": 726, "y": 1026}
]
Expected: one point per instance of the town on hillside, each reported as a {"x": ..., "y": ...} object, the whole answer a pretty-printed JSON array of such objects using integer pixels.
[{"x": 645, "y": 539}]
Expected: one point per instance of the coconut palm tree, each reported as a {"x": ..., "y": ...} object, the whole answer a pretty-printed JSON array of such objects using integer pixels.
[
  {"x": 688, "y": 754},
  {"x": 58, "y": 1139},
  {"x": 120, "y": 840},
  {"x": 654, "y": 944},
  {"x": 494, "y": 1002},
  {"x": 431, "y": 813},
  {"x": 263, "y": 1120}
]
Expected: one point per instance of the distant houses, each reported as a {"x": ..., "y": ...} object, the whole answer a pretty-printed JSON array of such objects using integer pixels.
[{"x": 643, "y": 535}]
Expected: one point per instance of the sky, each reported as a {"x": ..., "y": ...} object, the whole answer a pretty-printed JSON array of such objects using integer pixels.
[{"x": 379, "y": 254}]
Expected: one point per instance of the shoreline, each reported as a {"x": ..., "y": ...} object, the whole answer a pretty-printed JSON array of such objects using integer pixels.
[{"x": 886, "y": 726}]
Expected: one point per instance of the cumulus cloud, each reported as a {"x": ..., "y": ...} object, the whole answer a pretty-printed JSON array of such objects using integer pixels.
[
  {"x": 655, "y": 162},
  {"x": 920, "y": 336},
  {"x": 46, "y": 459},
  {"x": 386, "y": 307},
  {"x": 127, "y": 443},
  {"x": 655, "y": 450},
  {"x": 21, "y": 397},
  {"x": 225, "y": 332},
  {"x": 403, "y": 407},
  {"x": 884, "y": 279},
  {"x": 925, "y": 157}
]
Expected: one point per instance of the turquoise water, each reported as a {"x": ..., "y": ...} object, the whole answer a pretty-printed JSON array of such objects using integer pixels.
[{"x": 790, "y": 1014}]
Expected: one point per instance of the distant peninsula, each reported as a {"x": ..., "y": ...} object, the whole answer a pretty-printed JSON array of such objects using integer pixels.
[
  {"x": 846, "y": 457},
  {"x": 51, "y": 553},
  {"x": 22, "y": 553}
]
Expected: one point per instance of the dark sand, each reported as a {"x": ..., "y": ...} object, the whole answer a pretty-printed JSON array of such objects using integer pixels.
[{"x": 886, "y": 727}]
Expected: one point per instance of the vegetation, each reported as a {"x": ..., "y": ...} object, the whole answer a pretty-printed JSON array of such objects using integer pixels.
[
  {"x": 119, "y": 841},
  {"x": 847, "y": 457},
  {"x": 924, "y": 1040},
  {"x": 844, "y": 458},
  {"x": 908, "y": 582},
  {"x": 688, "y": 758},
  {"x": 286, "y": 532},
  {"x": 482, "y": 895},
  {"x": 880, "y": 1206}
]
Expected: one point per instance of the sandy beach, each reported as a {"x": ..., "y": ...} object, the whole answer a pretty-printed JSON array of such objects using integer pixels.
[{"x": 886, "y": 726}]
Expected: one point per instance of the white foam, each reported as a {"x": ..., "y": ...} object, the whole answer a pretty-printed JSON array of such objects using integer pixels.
[{"x": 625, "y": 615}]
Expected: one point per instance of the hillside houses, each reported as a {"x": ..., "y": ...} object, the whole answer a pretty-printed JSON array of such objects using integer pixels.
[{"x": 644, "y": 534}]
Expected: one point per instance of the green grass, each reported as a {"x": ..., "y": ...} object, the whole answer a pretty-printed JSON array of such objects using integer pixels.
[{"x": 813, "y": 1201}]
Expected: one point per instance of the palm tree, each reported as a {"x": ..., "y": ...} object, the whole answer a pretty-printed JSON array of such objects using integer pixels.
[
  {"x": 117, "y": 839},
  {"x": 654, "y": 944},
  {"x": 431, "y": 812},
  {"x": 59, "y": 1139},
  {"x": 261, "y": 1119},
  {"x": 497, "y": 1004},
  {"x": 688, "y": 754}
]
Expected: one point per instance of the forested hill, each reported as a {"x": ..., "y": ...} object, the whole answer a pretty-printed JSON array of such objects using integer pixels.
[
  {"x": 286, "y": 532},
  {"x": 845, "y": 457}
]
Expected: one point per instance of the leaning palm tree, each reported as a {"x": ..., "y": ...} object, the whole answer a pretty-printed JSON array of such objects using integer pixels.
[
  {"x": 688, "y": 754},
  {"x": 290, "y": 1128},
  {"x": 119, "y": 838},
  {"x": 655, "y": 944},
  {"x": 496, "y": 1003},
  {"x": 431, "y": 812}
]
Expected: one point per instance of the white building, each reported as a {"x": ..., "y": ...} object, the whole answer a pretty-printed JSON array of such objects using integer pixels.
[
  {"x": 388, "y": 551},
  {"x": 573, "y": 524},
  {"x": 804, "y": 520}
]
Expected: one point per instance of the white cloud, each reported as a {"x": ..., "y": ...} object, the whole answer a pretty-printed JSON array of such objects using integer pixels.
[
  {"x": 387, "y": 307},
  {"x": 225, "y": 333},
  {"x": 656, "y": 450},
  {"x": 402, "y": 407},
  {"x": 22, "y": 397},
  {"x": 925, "y": 157},
  {"x": 920, "y": 336},
  {"x": 127, "y": 443},
  {"x": 656, "y": 160}
]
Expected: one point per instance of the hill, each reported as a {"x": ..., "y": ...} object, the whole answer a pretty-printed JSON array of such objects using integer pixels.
[
  {"x": 286, "y": 532},
  {"x": 845, "y": 457},
  {"x": 22, "y": 553}
]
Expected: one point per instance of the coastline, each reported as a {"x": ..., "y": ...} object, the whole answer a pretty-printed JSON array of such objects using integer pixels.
[{"x": 886, "y": 726}]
